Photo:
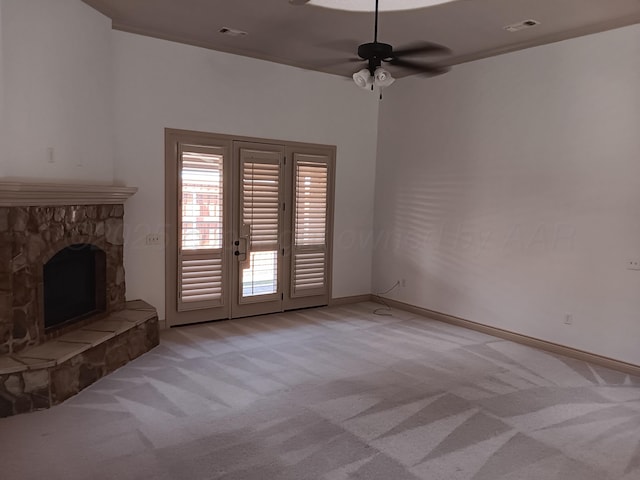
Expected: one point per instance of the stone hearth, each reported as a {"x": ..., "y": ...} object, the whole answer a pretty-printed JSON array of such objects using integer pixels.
[
  {"x": 38, "y": 367},
  {"x": 46, "y": 375}
]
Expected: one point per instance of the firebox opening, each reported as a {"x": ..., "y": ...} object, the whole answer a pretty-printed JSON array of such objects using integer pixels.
[{"x": 74, "y": 285}]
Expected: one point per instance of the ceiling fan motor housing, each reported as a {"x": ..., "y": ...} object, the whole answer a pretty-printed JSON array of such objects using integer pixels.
[{"x": 375, "y": 50}]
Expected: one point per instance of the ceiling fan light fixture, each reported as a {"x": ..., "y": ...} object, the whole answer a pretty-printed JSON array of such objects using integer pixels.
[
  {"x": 375, "y": 53},
  {"x": 382, "y": 78},
  {"x": 363, "y": 78}
]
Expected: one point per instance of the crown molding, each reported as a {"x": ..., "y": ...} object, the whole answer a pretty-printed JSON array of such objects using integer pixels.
[{"x": 27, "y": 194}]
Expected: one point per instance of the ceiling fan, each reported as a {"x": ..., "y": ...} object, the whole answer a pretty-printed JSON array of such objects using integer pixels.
[{"x": 375, "y": 53}]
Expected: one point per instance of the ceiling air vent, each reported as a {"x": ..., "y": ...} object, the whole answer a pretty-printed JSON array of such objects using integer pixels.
[
  {"x": 516, "y": 27},
  {"x": 232, "y": 32}
]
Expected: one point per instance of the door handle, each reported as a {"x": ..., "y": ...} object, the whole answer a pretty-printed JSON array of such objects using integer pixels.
[
  {"x": 243, "y": 242},
  {"x": 241, "y": 252}
]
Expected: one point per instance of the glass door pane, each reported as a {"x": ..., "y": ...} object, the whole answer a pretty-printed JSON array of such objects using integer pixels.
[{"x": 261, "y": 276}]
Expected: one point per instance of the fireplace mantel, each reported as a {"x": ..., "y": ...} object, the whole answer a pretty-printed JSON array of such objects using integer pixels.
[{"x": 27, "y": 194}]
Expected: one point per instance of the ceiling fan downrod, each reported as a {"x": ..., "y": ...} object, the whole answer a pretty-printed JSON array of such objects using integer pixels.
[{"x": 375, "y": 32}]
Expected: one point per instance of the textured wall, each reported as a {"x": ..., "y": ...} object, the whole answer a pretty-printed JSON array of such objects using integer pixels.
[
  {"x": 58, "y": 91},
  {"x": 508, "y": 192}
]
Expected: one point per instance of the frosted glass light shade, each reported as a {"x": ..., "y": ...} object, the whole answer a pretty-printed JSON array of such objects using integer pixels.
[
  {"x": 382, "y": 78},
  {"x": 363, "y": 78}
]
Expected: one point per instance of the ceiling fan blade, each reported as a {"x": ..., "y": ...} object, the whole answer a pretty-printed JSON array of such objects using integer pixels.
[
  {"x": 425, "y": 69},
  {"x": 338, "y": 61},
  {"x": 345, "y": 46},
  {"x": 422, "y": 48}
]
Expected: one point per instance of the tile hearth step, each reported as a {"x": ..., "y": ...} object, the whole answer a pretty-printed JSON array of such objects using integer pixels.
[{"x": 48, "y": 374}]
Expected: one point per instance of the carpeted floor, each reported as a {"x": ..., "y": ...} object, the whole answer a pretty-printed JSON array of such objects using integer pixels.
[{"x": 336, "y": 394}]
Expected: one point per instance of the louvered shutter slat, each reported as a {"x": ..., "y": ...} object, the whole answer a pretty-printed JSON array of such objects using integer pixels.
[
  {"x": 201, "y": 280},
  {"x": 261, "y": 203},
  {"x": 200, "y": 270},
  {"x": 310, "y": 227},
  {"x": 261, "y": 211}
]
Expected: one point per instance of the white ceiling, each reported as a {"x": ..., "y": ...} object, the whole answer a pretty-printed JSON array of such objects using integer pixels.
[{"x": 322, "y": 39}]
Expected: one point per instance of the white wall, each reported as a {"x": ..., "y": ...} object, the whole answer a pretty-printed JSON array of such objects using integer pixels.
[
  {"x": 508, "y": 192},
  {"x": 160, "y": 84},
  {"x": 57, "y": 79}
]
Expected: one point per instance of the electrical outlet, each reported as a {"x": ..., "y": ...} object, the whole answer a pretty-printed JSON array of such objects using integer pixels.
[
  {"x": 633, "y": 264},
  {"x": 568, "y": 319},
  {"x": 152, "y": 239}
]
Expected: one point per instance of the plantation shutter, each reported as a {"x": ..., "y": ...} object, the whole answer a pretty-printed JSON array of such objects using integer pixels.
[
  {"x": 310, "y": 225},
  {"x": 260, "y": 210},
  {"x": 200, "y": 232},
  {"x": 261, "y": 203}
]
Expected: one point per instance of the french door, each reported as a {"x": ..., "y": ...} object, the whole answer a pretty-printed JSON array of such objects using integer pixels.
[
  {"x": 258, "y": 219},
  {"x": 249, "y": 226}
]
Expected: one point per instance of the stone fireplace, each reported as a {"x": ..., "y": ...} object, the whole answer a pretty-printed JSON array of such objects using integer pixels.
[{"x": 62, "y": 292}]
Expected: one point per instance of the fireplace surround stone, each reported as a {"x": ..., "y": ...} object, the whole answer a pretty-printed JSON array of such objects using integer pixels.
[
  {"x": 38, "y": 367},
  {"x": 32, "y": 236}
]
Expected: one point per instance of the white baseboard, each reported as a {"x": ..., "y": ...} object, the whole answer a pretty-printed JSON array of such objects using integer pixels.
[
  {"x": 589, "y": 357},
  {"x": 349, "y": 300}
]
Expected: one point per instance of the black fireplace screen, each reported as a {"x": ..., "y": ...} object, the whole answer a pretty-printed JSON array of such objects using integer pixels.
[{"x": 74, "y": 284}]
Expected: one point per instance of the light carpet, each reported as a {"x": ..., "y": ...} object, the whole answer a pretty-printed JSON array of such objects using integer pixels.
[{"x": 336, "y": 394}]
